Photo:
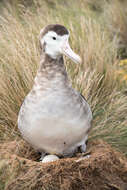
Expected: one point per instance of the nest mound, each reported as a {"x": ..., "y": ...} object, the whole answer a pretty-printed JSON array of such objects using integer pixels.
[{"x": 20, "y": 169}]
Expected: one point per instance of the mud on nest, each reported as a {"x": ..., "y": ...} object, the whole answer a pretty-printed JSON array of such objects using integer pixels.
[{"x": 20, "y": 169}]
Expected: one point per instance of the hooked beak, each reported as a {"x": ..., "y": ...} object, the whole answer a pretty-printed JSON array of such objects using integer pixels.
[{"x": 66, "y": 50}]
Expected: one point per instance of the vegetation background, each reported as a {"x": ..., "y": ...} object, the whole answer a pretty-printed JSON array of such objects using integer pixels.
[{"x": 98, "y": 33}]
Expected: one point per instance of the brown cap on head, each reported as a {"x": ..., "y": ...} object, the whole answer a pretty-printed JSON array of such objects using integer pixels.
[{"x": 59, "y": 29}]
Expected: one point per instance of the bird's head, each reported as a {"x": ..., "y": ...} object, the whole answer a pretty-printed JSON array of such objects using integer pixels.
[{"x": 54, "y": 42}]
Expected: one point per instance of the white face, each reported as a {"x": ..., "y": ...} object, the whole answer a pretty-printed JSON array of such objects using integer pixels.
[{"x": 57, "y": 45}]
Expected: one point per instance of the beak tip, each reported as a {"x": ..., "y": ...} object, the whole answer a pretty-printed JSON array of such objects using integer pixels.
[{"x": 79, "y": 60}]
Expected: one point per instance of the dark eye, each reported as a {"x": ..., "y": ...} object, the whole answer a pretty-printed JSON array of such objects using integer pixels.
[{"x": 54, "y": 38}]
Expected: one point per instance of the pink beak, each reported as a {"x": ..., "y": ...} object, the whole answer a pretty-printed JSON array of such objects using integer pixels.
[{"x": 66, "y": 50}]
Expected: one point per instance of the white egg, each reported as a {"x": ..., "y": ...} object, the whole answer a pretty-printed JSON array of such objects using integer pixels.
[{"x": 50, "y": 158}]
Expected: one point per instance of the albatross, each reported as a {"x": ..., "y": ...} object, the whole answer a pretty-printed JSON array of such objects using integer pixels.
[{"x": 54, "y": 117}]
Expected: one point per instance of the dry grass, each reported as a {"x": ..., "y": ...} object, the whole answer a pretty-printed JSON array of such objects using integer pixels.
[{"x": 116, "y": 22}]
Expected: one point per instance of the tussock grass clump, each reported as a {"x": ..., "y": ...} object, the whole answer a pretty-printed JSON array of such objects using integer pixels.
[
  {"x": 96, "y": 77},
  {"x": 116, "y": 14}
]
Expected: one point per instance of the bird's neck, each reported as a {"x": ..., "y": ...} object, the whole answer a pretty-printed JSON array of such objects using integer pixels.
[
  {"x": 52, "y": 66},
  {"x": 51, "y": 71}
]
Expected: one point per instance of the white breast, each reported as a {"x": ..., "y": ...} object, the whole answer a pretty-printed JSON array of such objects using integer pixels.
[{"x": 54, "y": 124}]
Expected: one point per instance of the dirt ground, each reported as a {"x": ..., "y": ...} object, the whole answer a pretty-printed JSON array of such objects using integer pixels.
[{"x": 20, "y": 169}]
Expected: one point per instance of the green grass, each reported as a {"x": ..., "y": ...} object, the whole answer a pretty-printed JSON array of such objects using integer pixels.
[{"x": 91, "y": 37}]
